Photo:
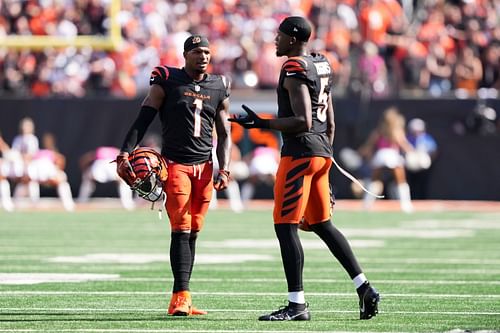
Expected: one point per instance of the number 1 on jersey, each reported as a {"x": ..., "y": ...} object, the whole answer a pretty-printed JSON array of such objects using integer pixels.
[{"x": 198, "y": 105}]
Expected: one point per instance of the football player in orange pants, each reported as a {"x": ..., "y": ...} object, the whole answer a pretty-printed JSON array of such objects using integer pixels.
[
  {"x": 301, "y": 191},
  {"x": 189, "y": 102}
]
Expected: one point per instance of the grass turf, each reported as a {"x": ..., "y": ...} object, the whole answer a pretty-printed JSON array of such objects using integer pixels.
[{"x": 436, "y": 272}]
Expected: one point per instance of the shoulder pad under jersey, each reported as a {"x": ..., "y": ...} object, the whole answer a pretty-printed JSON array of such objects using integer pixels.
[
  {"x": 295, "y": 66},
  {"x": 159, "y": 74}
]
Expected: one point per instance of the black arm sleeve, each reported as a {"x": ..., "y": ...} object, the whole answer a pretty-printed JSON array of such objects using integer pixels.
[{"x": 139, "y": 127}]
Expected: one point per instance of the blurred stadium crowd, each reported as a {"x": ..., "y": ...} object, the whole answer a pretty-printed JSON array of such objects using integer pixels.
[{"x": 378, "y": 47}]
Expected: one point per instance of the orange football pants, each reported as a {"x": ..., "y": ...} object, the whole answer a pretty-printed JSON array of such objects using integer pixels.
[
  {"x": 302, "y": 190},
  {"x": 189, "y": 191}
]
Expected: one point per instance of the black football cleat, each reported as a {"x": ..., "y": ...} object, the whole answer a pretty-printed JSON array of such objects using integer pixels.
[
  {"x": 287, "y": 313},
  {"x": 368, "y": 303}
]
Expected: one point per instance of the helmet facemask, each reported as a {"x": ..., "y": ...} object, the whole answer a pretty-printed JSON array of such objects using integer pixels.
[
  {"x": 151, "y": 172},
  {"x": 149, "y": 188}
]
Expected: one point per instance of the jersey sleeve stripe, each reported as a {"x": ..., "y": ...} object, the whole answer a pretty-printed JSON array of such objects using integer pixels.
[
  {"x": 293, "y": 65},
  {"x": 160, "y": 71},
  {"x": 294, "y": 69},
  {"x": 163, "y": 72}
]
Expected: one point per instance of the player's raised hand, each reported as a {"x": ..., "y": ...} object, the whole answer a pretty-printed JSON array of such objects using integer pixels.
[
  {"x": 124, "y": 168},
  {"x": 251, "y": 120}
]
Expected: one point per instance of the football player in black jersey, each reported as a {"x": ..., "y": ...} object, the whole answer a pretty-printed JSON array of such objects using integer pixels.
[
  {"x": 190, "y": 103},
  {"x": 301, "y": 191}
]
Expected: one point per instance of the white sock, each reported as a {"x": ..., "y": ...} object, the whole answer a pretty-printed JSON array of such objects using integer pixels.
[
  {"x": 5, "y": 195},
  {"x": 233, "y": 193},
  {"x": 34, "y": 191},
  {"x": 296, "y": 297},
  {"x": 405, "y": 198},
  {"x": 126, "y": 195},
  {"x": 247, "y": 191},
  {"x": 359, "y": 280},
  {"x": 87, "y": 187},
  {"x": 64, "y": 191},
  {"x": 368, "y": 199}
]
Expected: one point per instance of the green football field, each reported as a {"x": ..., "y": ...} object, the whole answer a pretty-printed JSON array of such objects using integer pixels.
[{"x": 108, "y": 271}]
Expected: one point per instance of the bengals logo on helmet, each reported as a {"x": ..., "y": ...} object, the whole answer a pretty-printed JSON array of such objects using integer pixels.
[{"x": 151, "y": 171}]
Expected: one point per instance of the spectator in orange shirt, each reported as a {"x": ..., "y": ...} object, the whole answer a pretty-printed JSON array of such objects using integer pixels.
[{"x": 468, "y": 72}]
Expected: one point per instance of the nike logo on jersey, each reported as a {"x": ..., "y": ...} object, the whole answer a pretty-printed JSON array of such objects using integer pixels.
[
  {"x": 290, "y": 74},
  {"x": 152, "y": 79}
]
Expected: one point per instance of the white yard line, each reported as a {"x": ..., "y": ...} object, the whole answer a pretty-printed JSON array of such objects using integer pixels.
[
  {"x": 36, "y": 278},
  {"x": 246, "y": 268},
  {"x": 23, "y": 293},
  {"x": 440, "y": 261},
  {"x": 142, "y": 310},
  {"x": 272, "y": 280}
]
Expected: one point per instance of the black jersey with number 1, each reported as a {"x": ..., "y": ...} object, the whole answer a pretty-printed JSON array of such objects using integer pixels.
[
  {"x": 188, "y": 113},
  {"x": 315, "y": 71}
]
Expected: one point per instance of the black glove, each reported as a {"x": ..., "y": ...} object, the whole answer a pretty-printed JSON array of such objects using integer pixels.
[{"x": 252, "y": 120}]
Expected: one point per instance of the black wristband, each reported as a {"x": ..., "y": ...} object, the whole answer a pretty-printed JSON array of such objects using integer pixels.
[
  {"x": 266, "y": 123},
  {"x": 225, "y": 173}
]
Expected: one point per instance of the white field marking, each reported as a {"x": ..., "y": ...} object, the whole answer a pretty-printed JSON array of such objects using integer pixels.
[
  {"x": 333, "y": 269},
  {"x": 440, "y": 261},
  {"x": 24, "y": 293},
  {"x": 273, "y": 244},
  {"x": 255, "y": 269},
  {"x": 273, "y": 280},
  {"x": 396, "y": 251},
  {"x": 137, "y": 310},
  {"x": 248, "y": 268},
  {"x": 35, "y": 278},
  {"x": 463, "y": 224},
  {"x": 146, "y": 258},
  {"x": 408, "y": 233},
  {"x": 137, "y": 258},
  {"x": 453, "y": 271}
]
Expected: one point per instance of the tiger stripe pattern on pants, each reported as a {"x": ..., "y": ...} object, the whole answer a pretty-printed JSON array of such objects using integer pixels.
[{"x": 301, "y": 190}]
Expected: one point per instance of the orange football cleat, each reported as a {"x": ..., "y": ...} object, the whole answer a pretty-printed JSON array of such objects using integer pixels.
[
  {"x": 183, "y": 304},
  {"x": 173, "y": 304}
]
